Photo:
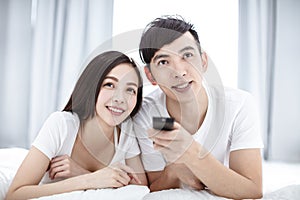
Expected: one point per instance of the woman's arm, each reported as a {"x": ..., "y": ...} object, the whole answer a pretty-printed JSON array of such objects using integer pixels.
[
  {"x": 26, "y": 182},
  {"x": 65, "y": 167},
  {"x": 136, "y": 164}
]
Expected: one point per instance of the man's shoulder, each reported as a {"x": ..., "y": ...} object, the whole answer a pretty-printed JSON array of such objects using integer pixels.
[
  {"x": 153, "y": 105},
  {"x": 234, "y": 94},
  {"x": 229, "y": 94},
  {"x": 154, "y": 97}
]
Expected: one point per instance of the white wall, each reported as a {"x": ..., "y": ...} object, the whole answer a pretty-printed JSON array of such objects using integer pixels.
[{"x": 215, "y": 20}]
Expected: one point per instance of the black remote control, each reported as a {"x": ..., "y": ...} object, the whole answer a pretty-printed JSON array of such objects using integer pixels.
[{"x": 163, "y": 123}]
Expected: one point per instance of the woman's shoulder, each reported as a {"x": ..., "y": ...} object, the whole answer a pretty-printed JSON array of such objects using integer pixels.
[
  {"x": 63, "y": 118},
  {"x": 63, "y": 115}
]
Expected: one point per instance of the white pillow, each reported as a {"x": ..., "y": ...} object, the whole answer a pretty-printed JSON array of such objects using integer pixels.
[{"x": 11, "y": 158}]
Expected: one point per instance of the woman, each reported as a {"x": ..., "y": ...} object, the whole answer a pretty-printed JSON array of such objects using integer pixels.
[{"x": 85, "y": 146}]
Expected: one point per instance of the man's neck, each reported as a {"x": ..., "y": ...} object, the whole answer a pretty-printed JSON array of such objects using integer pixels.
[{"x": 190, "y": 114}]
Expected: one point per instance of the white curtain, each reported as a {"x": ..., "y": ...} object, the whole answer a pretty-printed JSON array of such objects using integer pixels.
[
  {"x": 257, "y": 39},
  {"x": 62, "y": 33},
  {"x": 269, "y": 50},
  {"x": 15, "y": 51}
]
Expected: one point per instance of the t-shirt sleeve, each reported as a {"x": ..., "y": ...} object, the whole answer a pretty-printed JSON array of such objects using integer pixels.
[
  {"x": 152, "y": 160},
  {"x": 133, "y": 150},
  {"x": 47, "y": 140},
  {"x": 246, "y": 132},
  {"x": 128, "y": 143}
]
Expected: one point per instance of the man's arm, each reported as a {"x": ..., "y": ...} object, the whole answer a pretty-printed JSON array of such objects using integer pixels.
[
  {"x": 243, "y": 178},
  {"x": 172, "y": 177},
  {"x": 161, "y": 180}
]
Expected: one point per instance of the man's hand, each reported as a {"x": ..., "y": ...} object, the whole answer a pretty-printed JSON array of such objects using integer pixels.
[
  {"x": 172, "y": 144},
  {"x": 185, "y": 176}
]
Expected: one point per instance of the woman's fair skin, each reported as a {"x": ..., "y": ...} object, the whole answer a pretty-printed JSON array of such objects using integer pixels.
[{"x": 88, "y": 167}]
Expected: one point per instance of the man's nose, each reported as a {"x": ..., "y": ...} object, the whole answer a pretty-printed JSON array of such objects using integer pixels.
[{"x": 180, "y": 69}]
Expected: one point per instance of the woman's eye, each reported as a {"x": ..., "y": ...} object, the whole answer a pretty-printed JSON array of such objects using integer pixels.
[
  {"x": 108, "y": 85},
  {"x": 131, "y": 91}
]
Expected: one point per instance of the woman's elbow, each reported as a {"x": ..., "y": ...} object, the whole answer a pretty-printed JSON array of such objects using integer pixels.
[
  {"x": 9, "y": 196},
  {"x": 258, "y": 194},
  {"x": 12, "y": 194},
  {"x": 255, "y": 193}
]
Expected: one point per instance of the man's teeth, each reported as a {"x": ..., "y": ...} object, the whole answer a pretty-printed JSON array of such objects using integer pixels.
[
  {"x": 182, "y": 86},
  {"x": 115, "y": 110}
]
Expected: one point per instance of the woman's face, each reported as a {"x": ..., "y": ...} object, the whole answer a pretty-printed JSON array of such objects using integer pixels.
[{"x": 118, "y": 95}]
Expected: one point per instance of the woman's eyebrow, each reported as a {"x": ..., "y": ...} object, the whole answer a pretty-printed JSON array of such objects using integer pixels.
[
  {"x": 117, "y": 80},
  {"x": 112, "y": 77},
  {"x": 132, "y": 83}
]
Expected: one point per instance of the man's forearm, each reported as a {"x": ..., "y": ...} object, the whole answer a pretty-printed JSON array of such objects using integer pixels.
[
  {"x": 220, "y": 179},
  {"x": 165, "y": 180}
]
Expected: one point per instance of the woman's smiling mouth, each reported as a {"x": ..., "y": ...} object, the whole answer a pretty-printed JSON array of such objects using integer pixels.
[{"x": 115, "y": 110}]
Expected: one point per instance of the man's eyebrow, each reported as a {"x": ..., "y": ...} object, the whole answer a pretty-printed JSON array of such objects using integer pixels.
[
  {"x": 160, "y": 56},
  {"x": 186, "y": 48}
]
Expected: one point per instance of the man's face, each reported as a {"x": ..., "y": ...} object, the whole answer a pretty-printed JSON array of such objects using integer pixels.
[{"x": 177, "y": 68}]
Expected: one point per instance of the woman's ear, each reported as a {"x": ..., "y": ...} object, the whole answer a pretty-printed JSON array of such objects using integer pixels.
[
  {"x": 204, "y": 61},
  {"x": 149, "y": 76}
]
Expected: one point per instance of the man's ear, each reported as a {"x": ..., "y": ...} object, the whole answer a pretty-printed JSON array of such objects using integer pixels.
[
  {"x": 204, "y": 59},
  {"x": 149, "y": 76}
]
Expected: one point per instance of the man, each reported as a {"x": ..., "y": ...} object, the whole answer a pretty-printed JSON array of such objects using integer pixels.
[{"x": 215, "y": 142}]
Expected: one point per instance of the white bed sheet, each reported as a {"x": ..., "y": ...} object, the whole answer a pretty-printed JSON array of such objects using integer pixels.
[{"x": 281, "y": 181}]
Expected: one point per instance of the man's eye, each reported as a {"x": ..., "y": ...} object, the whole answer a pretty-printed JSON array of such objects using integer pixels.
[
  {"x": 187, "y": 55},
  {"x": 131, "y": 91},
  {"x": 162, "y": 62}
]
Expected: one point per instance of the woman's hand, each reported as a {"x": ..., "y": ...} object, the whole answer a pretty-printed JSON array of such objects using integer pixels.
[
  {"x": 64, "y": 167},
  {"x": 113, "y": 176}
]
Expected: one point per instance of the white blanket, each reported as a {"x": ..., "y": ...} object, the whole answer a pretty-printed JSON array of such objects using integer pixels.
[
  {"x": 281, "y": 181},
  {"x": 130, "y": 192},
  {"x": 134, "y": 192}
]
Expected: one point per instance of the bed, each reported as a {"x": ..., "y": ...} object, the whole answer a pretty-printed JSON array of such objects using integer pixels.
[{"x": 281, "y": 181}]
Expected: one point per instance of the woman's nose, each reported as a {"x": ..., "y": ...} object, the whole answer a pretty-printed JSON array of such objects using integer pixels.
[{"x": 118, "y": 97}]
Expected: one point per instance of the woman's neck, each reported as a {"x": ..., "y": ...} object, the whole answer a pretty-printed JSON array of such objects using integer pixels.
[{"x": 97, "y": 137}]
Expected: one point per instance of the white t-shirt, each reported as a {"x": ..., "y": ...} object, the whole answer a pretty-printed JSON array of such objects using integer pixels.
[
  {"x": 58, "y": 134},
  {"x": 231, "y": 123}
]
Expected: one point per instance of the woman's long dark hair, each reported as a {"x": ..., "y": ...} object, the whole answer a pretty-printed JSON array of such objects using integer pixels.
[{"x": 84, "y": 96}]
